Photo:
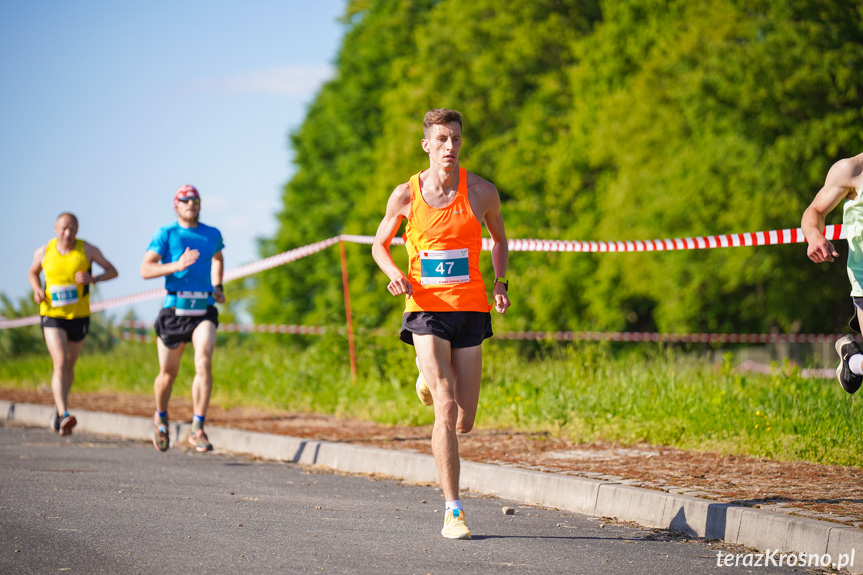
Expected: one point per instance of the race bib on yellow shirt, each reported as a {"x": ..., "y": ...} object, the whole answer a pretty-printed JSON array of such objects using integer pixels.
[
  {"x": 444, "y": 267},
  {"x": 64, "y": 295},
  {"x": 192, "y": 303}
]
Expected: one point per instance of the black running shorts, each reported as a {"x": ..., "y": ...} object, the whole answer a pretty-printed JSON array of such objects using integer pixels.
[
  {"x": 460, "y": 328},
  {"x": 76, "y": 329},
  {"x": 853, "y": 323},
  {"x": 174, "y": 330}
]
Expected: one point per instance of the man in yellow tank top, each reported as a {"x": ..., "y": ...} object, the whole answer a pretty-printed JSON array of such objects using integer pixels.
[
  {"x": 446, "y": 312},
  {"x": 844, "y": 182},
  {"x": 64, "y": 304}
]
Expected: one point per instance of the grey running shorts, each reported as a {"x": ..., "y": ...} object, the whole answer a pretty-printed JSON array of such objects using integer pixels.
[
  {"x": 76, "y": 329},
  {"x": 174, "y": 330},
  {"x": 460, "y": 328}
]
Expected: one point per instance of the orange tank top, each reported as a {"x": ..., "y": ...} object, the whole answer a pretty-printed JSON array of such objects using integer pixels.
[{"x": 443, "y": 247}]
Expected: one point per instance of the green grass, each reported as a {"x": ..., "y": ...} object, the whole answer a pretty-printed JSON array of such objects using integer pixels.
[{"x": 582, "y": 391}]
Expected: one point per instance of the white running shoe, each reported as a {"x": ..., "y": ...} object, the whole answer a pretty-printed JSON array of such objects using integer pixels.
[{"x": 454, "y": 526}]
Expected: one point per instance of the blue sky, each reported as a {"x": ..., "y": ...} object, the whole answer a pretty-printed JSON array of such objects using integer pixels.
[{"x": 107, "y": 107}]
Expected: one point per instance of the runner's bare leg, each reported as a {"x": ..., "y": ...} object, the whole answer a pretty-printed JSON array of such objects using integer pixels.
[
  {"x": 435, "y": 356},
  {"x": 169, "y": 367},
  {"x": 467, "y": 368},
  {"x": 64, "y": 354},
  {"x": 204, "y": 342}
]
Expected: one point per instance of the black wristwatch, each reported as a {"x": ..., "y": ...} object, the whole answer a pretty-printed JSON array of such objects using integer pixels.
[{"x": 503, "y": 281}]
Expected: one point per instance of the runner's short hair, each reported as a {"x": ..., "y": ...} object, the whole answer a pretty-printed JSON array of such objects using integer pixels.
[
  {"x": 69, "y": 215},
  {"x": 440, "y": 116}
]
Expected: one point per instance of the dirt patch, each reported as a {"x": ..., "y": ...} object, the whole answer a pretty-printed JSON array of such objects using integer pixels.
[{"x": 820, "y": 491}]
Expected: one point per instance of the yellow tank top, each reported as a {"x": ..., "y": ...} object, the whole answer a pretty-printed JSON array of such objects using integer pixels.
[
  {"x": 63, "y": 297},
  {"x": 443, "y": 247}
]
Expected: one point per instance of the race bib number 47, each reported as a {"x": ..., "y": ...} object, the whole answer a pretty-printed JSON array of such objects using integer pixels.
[{"x": 444, "y": 267}]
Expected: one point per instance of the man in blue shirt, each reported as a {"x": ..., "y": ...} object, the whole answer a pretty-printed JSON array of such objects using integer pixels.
[{"x": 189, "y": 255}]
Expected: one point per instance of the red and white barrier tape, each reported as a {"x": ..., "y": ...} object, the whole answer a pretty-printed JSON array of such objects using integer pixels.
[
  {"x": 94, "y": 306},
  {"x": 368, "y": 240},
  {"x": 545, "y": 335},
  {"x": 773, "y": 237},
  {"x": 242, "y": 328},
  {"x": 279, "y": 259},
  {"x": 127, "y": 299},
  {"x": 669, "y": 337},
  {"x": 273, "y": 328},
  {"x": 20, "y": 321},
  {"x": 236, "y": 273}
]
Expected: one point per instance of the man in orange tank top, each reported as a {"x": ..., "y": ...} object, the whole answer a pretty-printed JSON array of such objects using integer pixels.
[
  {"x": 446, "y": 311},
  {"x": 64, "y": 332}
]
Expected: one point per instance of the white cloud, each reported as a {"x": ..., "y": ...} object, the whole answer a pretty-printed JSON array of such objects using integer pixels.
[{"x": 281, "y": 81}]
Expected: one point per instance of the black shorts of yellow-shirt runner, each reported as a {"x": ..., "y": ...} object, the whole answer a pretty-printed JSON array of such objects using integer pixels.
[
  {"x": 460, "y": 328},
  {"x": 174, "y": 330},
  {"x": 76, "y": 329}
]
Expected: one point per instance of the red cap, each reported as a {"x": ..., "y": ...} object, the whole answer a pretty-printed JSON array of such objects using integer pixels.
[{"x": 184, "y": 192}]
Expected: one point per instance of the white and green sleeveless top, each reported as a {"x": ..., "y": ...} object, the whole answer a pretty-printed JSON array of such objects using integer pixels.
[{"x": 852, "y": 223}]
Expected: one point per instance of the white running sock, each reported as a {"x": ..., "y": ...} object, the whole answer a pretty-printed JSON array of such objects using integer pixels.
[
  {"x": 855, "y": 363},
  {"x": 450, "y": 505}
]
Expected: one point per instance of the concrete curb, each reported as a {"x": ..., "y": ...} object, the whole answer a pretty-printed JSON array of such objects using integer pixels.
[{"x": 757, "y": 528}]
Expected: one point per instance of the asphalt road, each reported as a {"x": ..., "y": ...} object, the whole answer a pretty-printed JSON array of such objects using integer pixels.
[{"x": 87, "y": 504}]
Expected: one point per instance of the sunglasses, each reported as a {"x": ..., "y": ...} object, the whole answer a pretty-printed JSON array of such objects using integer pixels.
[{"x": 193, "y": 200}]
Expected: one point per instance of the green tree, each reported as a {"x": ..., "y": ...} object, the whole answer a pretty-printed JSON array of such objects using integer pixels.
[
  {"x": 597, "y": 121},
  {"x": 335, "y": 160},
  {"x": 714, "y": 132},
  {"x": 18, "y": 341}
]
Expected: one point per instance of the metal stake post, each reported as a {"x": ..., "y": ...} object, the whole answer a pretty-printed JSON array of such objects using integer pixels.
[{"x": 346, "y": 288}]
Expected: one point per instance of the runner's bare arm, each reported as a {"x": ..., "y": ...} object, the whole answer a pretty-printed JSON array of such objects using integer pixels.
[
  {"x": 217, "y": 273},
  {"x": 33, "y": 275},
  {"x": 489, "y": 200},
  {"x": 836, "y": 188},
  {"x": 95, "y": 255},
  {"x": 151, "y": 268},
  {"x": 398, "y": 208}
]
